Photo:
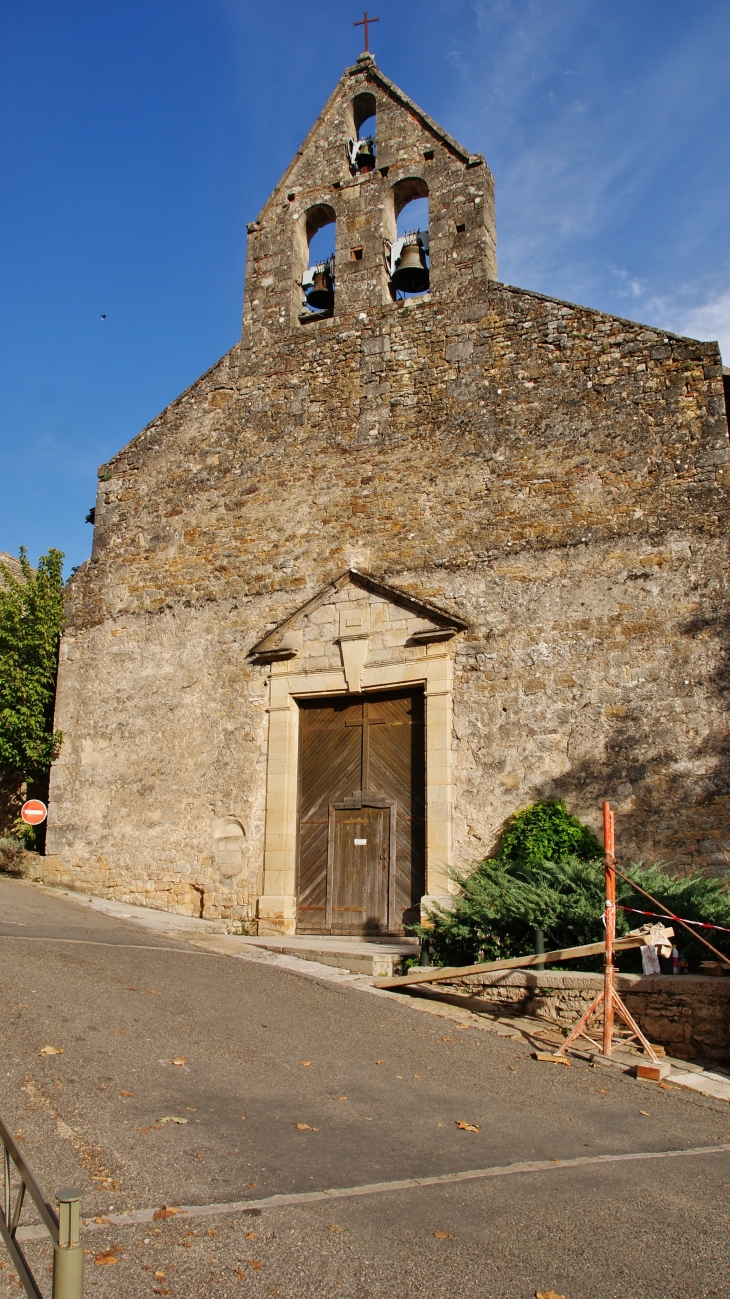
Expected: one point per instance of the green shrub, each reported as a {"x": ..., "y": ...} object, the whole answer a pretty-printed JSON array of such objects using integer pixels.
[
  {"x": 12, "y": 856},
  {"x": 548, "y": 874}
]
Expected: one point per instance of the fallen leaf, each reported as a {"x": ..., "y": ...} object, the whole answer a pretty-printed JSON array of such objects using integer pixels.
[
  {"x": 418, "y": 1075},
  {"x": 548, "y": 1294},
  {"x": 304, "y": 1127},
  {"x": 444, "y": 1235},
  {"x": 121, "y": 1031},
  {"x": 107, "y": 1256},
  {"x": 239, "y": 1271},
  {"x": 172, "y": 1118},
  {"x": 154, "y": 992},
  {"x": 100, "y": 1221},
  {"x": 400, "y": 1076},
  {"x": 334, "y": 1227},
  {"x": 160, "y": 1276},
  {"x": 466, "y": 1127},
  {"x": 255, "y": 1187},
  {"x": 18, "y": 1135},
  {"x": 144, "y": 1129},
  {"x": 645, "y": 1112},
  {"x": 166, "y": 1212},
  {"x": 179, "y": 1059},
  {"x": 193, "y": 1109},
  {"x": 378, "y": 1061},
  {"x": 132, "y": 989},
  {"x": 462, "y": 1025},
  {"x": 305, "y": 1062},
  {"x": 254, "y": 1263},
  {"x": 447, "y": 1039},
  {"x": 243, "y": 1118},
  {"x": 212, "y": 1231},
  {"x": 51, "y": 1050},
  {"x": 342, "y": 1098},
  {"x": 156, "y": 1290},
  {"x": 123, "y": 1093},
  {"x": 251, "y": 1235}
]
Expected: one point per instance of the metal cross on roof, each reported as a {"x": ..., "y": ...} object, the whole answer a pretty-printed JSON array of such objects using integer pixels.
[{"x": 365, "y": 22}]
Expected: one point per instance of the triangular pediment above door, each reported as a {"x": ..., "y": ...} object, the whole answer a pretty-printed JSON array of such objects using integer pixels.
[{"x": 354, "y": 618}]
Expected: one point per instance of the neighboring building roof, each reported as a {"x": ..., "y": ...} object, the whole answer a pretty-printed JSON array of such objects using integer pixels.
[{"x": 12, "y": 565}]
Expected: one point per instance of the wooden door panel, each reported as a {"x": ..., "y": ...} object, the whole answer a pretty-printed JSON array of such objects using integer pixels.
[
  {"x": 359, "y": 871},
  {"x": 330, "y": 770},
  {"x": 396, "y": 769}
]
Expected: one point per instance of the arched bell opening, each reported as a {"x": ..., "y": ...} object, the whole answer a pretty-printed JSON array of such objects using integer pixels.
[
  {"x": 361, "y": 146},
  {"x": 318, "y": 235},
  {"x": 407, "y": 255}
]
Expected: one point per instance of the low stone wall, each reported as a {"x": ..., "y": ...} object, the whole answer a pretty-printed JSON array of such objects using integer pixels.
[
  {"x": 205, "y": 900},
  {"x": 689, "y": 1015}
]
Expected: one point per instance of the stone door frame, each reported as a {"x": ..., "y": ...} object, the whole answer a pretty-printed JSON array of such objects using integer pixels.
[{"x": 277, "y": 905}]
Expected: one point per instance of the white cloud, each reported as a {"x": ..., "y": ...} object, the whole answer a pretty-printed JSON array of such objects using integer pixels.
[
  {"x": 587, "y": 163},
  {"x": 709, "y": 321}
]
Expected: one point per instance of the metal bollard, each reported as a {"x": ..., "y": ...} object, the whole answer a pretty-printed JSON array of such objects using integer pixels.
[
  {"x": 539, "y": 947},
  {"x": 68, "y": 1254},
  {"x": 425, "y": 955}
]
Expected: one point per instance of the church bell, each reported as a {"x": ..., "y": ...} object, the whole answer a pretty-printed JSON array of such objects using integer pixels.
[
  {"x": 361, "y": 154},
  {"x": 411, "y": 272},
  {"x": 365, "y": 157},
  {"x": 321, "y": 296}
]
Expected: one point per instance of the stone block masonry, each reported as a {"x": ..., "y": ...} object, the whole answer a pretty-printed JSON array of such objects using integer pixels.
[
  {"x": 688, "y": 1015},
  {"x": 556, "y": 477}
]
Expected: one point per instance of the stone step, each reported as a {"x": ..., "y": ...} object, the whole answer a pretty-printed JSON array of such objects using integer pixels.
[{"x": 379, "y": 958}]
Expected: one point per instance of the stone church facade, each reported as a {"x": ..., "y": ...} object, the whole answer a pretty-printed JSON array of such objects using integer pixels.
[{"x": 394, "y": 568}]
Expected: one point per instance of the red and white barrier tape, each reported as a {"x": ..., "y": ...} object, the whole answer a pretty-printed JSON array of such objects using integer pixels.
[{"x": 701, "y": 924}]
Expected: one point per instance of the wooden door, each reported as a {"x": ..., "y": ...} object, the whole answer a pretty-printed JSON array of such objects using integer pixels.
[
  {"x": 366, "y": 751},
  {"x": 359, "y": 869}
]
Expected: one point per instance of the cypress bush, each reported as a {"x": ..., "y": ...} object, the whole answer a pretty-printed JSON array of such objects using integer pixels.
[{"x": 547, "y": 873}]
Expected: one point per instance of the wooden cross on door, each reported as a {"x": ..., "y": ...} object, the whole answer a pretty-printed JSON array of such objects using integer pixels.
[{"x": 365, "y": 22}]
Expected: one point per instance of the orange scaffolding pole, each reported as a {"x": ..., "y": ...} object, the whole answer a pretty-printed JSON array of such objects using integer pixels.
[{"x": 608, "y": 996}]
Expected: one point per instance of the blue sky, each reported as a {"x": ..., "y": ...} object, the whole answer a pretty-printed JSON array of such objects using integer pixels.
[{"x": 138, "y": 138}]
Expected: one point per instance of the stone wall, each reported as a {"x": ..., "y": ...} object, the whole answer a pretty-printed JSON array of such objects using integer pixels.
[
  {"x": 689, "y": 1015},
  {"x": 556, "y": 476}
]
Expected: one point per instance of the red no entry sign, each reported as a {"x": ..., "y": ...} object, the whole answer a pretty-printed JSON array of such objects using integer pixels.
[{"x": 34, "y": 812}]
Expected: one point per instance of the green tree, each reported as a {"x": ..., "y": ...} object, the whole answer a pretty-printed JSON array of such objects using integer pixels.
[{"x": 31, "y": 612}]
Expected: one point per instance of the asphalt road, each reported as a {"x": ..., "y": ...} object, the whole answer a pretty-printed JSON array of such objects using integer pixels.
[{"x": 153, "y": 1030}]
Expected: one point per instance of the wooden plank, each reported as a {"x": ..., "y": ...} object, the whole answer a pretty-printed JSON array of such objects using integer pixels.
[{"x": 444, "y": 973}]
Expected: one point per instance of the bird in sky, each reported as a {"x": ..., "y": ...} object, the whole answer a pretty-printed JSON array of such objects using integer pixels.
[{"x": 103, "y": 315}]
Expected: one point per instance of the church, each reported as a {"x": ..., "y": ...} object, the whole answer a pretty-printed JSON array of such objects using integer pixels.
[{"x": 420, "y": 549}]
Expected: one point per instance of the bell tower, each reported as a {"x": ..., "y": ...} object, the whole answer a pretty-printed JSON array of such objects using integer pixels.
[{"x": 370, "y": 154}]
